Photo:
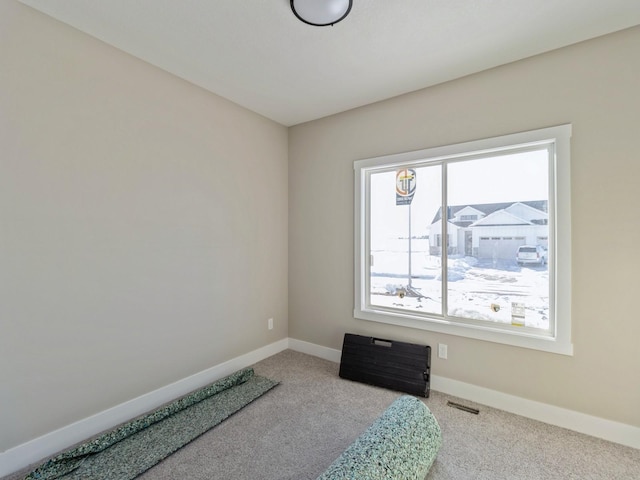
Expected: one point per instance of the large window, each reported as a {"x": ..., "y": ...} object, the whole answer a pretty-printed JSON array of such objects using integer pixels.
[{"x": 470, "y": 239}]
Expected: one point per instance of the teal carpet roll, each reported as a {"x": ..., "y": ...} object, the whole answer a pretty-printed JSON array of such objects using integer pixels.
[
  {"x": 131, "y": 449},
  {"x": 400, "y": 445}
]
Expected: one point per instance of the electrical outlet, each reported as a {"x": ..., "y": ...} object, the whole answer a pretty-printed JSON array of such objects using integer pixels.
[
  {"x": 270, "y": 324},
  {"x": 442, "y": 351}
]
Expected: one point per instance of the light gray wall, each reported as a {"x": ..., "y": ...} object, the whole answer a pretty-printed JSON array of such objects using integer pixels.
[
  {"x": 594, "y": 86},
  {"x": 143, "y": 227}
]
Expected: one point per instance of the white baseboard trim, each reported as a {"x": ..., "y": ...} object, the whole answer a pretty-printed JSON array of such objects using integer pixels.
[
  {"x": 326, "y": 353},
  {"x": 579, "y": 422},
  {"x": 42, "y": 447},
  {"x": 561, "y": 417}
]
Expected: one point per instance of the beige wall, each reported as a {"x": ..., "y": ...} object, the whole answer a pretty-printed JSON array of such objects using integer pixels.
[
  {"x": 594, "y": 86},
  {"x": 143, "y": 227}
]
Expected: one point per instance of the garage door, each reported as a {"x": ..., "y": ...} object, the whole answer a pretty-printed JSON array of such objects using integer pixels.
[{"x": 499, "y": 247}]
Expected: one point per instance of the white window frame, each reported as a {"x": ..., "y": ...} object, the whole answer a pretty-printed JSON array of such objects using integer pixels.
[{"x": 559, "y": 341}]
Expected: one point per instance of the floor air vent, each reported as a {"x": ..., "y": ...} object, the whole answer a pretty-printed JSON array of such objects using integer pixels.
[{"x": 464, "y": 408}]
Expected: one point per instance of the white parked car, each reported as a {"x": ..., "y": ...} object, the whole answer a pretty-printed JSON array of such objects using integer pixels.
[{"x": 532, "y": 254}]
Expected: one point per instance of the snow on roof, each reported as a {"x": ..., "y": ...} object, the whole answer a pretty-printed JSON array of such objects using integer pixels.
[{"x": 489, "y": 208}]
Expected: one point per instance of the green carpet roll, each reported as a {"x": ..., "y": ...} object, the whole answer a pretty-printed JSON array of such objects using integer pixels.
[
  {"x": 400, "y": 445},
  {"x": 132, "y": 448}
]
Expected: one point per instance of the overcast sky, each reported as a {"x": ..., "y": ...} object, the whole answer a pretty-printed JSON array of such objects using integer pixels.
[{"x": 508, "y": 178}]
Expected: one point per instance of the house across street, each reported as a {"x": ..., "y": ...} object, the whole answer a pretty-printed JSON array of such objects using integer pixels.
[{"x": 491, "y": 230}]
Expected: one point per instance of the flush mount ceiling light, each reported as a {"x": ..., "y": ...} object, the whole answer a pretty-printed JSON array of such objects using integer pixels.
[{"x": 321, "y": 13}]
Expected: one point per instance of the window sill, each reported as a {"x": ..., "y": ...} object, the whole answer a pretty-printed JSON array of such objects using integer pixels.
[{"x": 485, "y": 333}]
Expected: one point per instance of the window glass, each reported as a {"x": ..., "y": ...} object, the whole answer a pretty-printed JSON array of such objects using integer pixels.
[
  {"x": 405, "y": 274},
  {"x": 490, "y": 276}
]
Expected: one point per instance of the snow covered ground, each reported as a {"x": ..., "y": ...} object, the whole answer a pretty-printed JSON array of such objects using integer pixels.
[{"x": 478, "y": 289}]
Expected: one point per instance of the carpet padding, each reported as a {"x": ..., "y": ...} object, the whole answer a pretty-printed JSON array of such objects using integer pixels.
[
  {"x": 401, "y": 444},
  {"x": 131, "y": 449}
]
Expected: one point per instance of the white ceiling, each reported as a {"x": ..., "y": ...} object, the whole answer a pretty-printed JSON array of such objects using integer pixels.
[{"x": 259, "y": 55}]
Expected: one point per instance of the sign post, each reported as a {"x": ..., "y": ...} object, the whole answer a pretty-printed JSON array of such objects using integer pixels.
[{"x": 405, "y": 189}]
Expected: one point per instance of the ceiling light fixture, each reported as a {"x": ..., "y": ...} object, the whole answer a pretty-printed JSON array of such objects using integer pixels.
[{"x": 321, "y": 13}]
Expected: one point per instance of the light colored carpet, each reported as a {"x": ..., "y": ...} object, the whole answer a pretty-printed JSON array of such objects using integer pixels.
[{"x": 297, "y": 429}]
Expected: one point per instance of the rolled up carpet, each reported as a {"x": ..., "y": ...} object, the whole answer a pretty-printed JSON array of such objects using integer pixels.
[
  {"x": 132, "y": 448},
  {"x": 400, "y": 445}
]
